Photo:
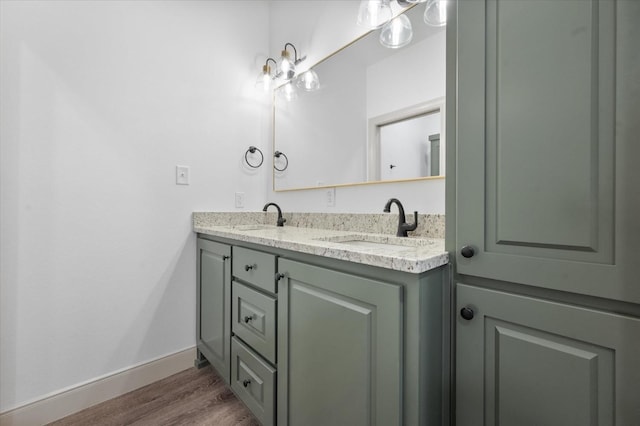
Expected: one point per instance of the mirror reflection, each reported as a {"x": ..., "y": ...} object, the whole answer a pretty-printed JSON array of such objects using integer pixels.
[
  {"x": 410, "y": 147},
  {"x": 377, "y": 116}
]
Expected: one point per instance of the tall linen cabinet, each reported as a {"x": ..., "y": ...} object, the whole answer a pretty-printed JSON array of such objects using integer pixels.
[{"x": 543, "y": 121}]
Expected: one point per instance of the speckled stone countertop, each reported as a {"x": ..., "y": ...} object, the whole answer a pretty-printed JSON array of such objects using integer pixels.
[{"x": 413, "y": 254}]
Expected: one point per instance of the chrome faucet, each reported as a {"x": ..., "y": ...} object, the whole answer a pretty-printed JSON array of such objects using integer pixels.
[
  {"x": 281, "y": 220},
  {"x": 403, "y": 226}
]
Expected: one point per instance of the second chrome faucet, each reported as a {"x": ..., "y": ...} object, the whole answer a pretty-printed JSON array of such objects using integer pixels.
[{"x": 403, "y": 226}]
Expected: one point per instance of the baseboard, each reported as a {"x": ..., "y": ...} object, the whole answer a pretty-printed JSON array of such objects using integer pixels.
[{"x": 71, "y": 401}]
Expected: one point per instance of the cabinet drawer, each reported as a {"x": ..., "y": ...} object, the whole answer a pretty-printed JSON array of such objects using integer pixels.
[
  {"x": 253, "y": 380},
  {"x": 255, "y": 267},
  {"x": 254, "y": 319}
]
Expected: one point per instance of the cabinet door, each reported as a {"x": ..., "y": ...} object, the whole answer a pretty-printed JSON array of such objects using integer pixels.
[
  {"x": 546, "y": 126},
  {"x": 339, "y": 348},
  {"x": 214, "y": 305},
  {"x": 527, "y": 362}
]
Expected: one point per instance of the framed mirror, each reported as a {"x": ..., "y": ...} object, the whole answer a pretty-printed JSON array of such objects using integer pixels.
[{"x": 377, "y": 117}]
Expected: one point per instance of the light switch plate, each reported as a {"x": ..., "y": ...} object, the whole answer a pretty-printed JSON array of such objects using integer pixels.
[{"x": 182, "y": 175}]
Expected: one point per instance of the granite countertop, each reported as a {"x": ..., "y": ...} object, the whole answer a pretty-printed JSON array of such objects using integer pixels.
[{"x": 413, "y": 255}]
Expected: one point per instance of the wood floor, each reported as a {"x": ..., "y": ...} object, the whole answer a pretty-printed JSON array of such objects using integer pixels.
[{"x": 192, "y": 397}]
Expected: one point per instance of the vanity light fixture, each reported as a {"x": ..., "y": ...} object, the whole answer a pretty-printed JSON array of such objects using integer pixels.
[
  {"x": 374, "y": 13},
  {"x": 285, "y": 72},
  {"x": 396, "y": 33},
  {"x": 265, "y": 78}
]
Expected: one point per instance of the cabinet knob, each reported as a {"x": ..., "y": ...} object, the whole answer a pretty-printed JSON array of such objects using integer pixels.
[
  {"x": 226, "y": 257},
  {"x": 247, "y": 319},
  {"x": 279, "y": 276},
  {"x": 467, "y": 251},
  {"x": 248, "y": 267},
  {"x": 466, "y": 313},
  {"x": 246, "y": 383}
]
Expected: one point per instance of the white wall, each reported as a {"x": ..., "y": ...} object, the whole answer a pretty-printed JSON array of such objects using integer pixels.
[
  {"x": 100, "y": 101},
  {"x": 318, "y": 28}
]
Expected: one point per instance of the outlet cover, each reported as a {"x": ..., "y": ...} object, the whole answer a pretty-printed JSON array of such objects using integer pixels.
[
  {"x": 182, "y": 175},
  {"x": 239, "y": 200},
  {"x": 330, "y": 195}
]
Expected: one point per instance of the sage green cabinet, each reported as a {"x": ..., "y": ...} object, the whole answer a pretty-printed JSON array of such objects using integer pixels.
[
  {"x": 253, "y": 327},
  {"x": 542, "y": 189},
  {"x": 545, "y": 125},
  {"x": 527, "y": 361},
  {"x": 254, "y": 381},
  {"x": 255, "y": 267},
  {"x": 338, "y": 343},
  {"x": 213, "y": 322},
  {"x": 254, "y": 319},
  {"x": 340, "y": 338}
]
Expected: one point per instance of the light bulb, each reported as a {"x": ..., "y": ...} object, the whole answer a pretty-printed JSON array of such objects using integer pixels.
[
  {"x": 264, "y": 80},
  {"x": 308, "y": 81},
  {"x": 374, "y": 13},
  {"x": 435, "y": 13},
  {"x": 396, "y": 33},
  {"x": 287, "y": 66}
]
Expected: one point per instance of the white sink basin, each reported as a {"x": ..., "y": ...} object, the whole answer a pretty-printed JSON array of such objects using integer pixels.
[
  {"x": 253, "y": 227},
  {"x": 376, "y": 242}
]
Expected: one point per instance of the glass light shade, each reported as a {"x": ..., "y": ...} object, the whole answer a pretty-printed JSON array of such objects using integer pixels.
[
  {"x": 415, "y": 1},
  {"x": 374, "y": 13},
  {"x": 435, "y": 13},
  {"x": 396, "y": 33},
  {"x": 264, "y": 80},
  {"x": 308, "y": 81},
  {"x": 287, "y": 65}
]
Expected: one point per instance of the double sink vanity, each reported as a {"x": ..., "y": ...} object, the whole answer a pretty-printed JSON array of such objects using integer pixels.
[{"x": 318, "y": 322}]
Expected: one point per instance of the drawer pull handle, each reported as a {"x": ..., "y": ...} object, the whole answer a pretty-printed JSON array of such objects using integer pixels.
[
  {"x": 247, "y": 319},
  {"x": 249, "y": 267},
  {"x": 246, "y": 383}
]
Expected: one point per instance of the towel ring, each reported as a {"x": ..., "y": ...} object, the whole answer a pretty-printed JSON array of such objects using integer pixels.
[
  {"x": 279, "y": 154},
  {"x": 252, "y": 150}
]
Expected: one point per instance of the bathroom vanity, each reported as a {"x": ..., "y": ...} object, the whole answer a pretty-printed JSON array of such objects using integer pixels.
[{"x": 315, "y": 326}]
